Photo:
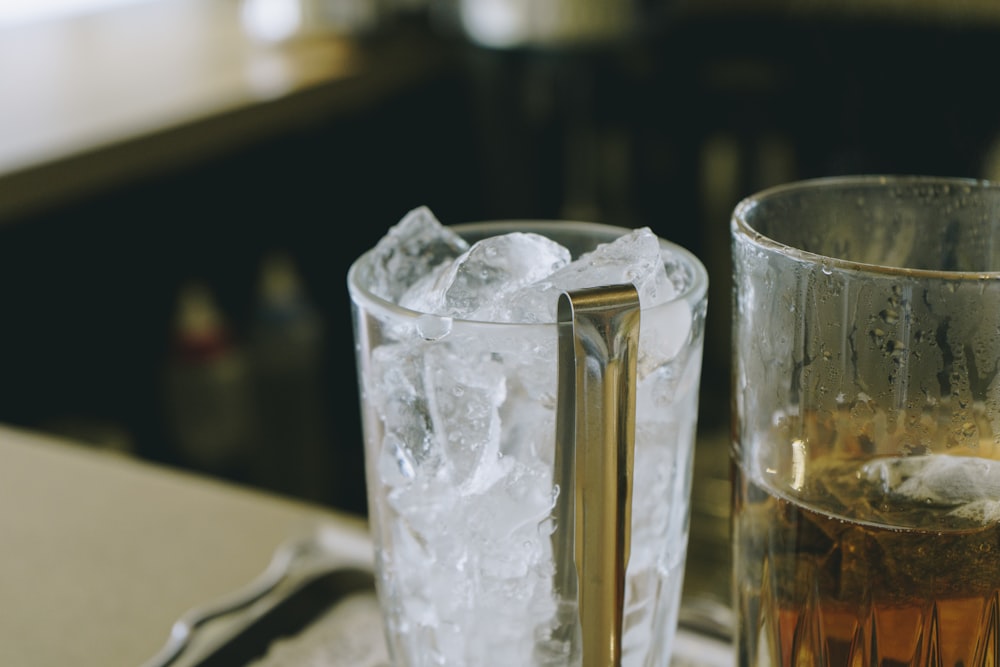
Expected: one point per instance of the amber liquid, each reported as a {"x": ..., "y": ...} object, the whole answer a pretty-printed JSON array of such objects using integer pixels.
[{"x": 830, "y": 574}]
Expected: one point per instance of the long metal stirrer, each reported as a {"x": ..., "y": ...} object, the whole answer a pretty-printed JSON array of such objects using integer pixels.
[{"x": 595, "y": 441}]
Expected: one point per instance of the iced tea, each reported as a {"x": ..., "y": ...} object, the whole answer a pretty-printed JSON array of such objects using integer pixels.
[
  {"x": 866, "y": 420},
  {"x": 890, "y": 560}
]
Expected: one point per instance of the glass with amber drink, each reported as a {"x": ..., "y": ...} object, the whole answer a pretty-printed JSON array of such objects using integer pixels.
[{"x": 866, "y": 423}]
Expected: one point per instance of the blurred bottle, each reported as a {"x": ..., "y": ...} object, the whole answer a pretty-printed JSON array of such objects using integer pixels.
[
  {"x": 207, "y": 391},
  {"x": 287, "y": 356}
]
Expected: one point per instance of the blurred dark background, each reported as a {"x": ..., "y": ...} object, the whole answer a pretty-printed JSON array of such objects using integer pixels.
[{"x": 666, "y": 119}]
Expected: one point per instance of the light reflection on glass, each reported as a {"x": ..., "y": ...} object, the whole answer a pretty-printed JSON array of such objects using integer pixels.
[{"x": 798, "y": 464}]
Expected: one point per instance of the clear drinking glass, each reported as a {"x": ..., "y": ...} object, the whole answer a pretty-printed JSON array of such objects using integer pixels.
[
  {"x": 460, "y": 423},
  {"x": 866, "y": 498}
]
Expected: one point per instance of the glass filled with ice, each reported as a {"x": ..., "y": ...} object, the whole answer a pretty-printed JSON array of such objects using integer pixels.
[
  {"x": 456, "y": 335},
  {"x": 866, "y": 441}
]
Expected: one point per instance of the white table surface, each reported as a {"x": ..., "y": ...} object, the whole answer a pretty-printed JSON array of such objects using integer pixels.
[{"x": 101, "y": 553}]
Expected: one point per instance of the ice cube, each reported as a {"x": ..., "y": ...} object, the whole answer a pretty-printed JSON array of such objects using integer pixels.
[
  {"x": 397, "y": 389},
  {"x": 663, "y": 332},
  {"x": 409, "y": 250},
  {"x": 507, "y": 517},
  {"x": 939, "y": 480},
  {"x": 982, "y": 512},
  {"x": 632, "y": 258},
  {"x": 476, "y": 285},
  {"x": 465, "y": 390},
  {"x": 528, "y": 427}
]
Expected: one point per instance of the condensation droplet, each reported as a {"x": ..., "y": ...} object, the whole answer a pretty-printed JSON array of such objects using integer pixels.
[
  {"x": 403, "y": 462},
  {"x": 432, "y": 327}
]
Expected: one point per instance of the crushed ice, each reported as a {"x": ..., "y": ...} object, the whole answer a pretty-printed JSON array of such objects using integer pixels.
[{"x": 970, "y": 485}]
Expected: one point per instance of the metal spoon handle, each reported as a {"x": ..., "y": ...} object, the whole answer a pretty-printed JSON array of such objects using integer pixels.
[{"x": 595, "y": 441}]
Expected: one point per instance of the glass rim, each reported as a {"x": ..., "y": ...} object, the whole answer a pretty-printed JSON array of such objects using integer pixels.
[
  {"x": 742, "y": 228},
  {"x": 693, "y": 292}
]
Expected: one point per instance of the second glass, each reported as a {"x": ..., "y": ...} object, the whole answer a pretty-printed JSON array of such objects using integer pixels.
[{"x": 866, "y": 438}]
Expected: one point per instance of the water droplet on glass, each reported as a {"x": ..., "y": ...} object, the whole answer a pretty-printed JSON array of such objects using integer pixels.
[
  {"x": 406, "y": 468},
  {"x": 432, "y": 327}
]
